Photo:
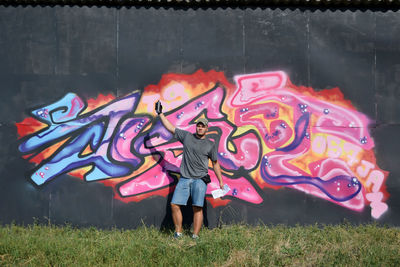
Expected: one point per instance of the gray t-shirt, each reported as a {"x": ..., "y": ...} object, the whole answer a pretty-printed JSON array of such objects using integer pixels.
[{"x": 196, "y": 153}]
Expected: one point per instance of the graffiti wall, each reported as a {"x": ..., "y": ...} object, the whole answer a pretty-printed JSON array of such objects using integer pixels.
[
  {"x": 304, "y": 135},
  {"x": 269, "y": 133}
]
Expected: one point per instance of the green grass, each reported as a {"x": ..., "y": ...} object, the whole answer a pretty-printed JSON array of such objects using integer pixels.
[{"x": 236, "y": 245}]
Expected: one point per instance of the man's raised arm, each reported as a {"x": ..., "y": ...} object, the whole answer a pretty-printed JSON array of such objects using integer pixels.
[{"x": 167, "y": 124}]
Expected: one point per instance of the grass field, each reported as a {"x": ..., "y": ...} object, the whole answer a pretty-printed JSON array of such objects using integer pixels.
[{"x": 236, "y": 245}]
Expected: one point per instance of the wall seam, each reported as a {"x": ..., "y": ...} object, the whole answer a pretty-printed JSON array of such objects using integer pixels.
[
  {"x": 55, "y": 69},
  {"x": 375, "y": 74},
  {"x": 117, "y": 11},
  {"x": 117, "y": 49},
  {"x": 308, "y": 49},
  {"x": 244, "y": 41}
]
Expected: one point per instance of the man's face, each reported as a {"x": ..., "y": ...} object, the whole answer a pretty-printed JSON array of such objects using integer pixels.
[{"x": 201, "y": 129}]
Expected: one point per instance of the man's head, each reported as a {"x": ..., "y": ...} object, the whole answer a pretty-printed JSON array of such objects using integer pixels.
[{"x": 201, "y": 127}]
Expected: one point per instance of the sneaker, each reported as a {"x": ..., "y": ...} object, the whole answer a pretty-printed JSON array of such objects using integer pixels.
[
  {"x": 177, "y": 235},
  {"x": 196, "y": 237}
]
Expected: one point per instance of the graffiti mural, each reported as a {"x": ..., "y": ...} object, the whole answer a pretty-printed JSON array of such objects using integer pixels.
[{"x": 269, "y": 132}]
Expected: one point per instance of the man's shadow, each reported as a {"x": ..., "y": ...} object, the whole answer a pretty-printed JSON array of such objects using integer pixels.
[{"x": 167, "y": 224}]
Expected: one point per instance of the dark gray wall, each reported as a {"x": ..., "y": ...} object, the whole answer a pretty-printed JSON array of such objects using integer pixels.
[{"x": 47, "y": 52}]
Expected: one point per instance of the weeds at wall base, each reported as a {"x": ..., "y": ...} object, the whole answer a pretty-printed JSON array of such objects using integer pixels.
[{"x": 233, "y": 245}]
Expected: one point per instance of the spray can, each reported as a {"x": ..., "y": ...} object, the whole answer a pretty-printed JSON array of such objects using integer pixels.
[{"x": 158, "y": 107}]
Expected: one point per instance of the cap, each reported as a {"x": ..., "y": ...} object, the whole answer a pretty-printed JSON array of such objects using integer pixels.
[{"x": 203, "y": 121}]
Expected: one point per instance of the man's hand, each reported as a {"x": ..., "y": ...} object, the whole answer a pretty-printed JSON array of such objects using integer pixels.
[{"x": 221, "y": 185}]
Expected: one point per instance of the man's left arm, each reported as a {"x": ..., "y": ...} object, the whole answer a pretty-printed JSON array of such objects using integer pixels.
[{"x": 217, "y": 171}]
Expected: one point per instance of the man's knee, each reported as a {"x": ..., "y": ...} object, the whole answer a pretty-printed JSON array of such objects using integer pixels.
[
  {"x": 197, "y": 209},
  {"x": 175, "y": 207}
]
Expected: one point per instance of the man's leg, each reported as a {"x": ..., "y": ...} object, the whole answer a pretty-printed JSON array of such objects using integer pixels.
[
  {"x": 197, "y": 219},
  {"x": 198, "y": 192},
  {"x": 177, "y": 217},
  {"x": 180, "y": 197}
]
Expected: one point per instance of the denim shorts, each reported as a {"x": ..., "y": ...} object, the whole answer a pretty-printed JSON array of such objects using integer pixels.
[{"x": 186, "y": 187}]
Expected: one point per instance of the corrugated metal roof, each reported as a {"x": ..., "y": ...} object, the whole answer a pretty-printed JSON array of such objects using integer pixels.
[{"x": 225, "y": 3}]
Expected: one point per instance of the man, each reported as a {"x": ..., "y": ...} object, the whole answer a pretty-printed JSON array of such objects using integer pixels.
[{"x": 197, "y": 150}]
